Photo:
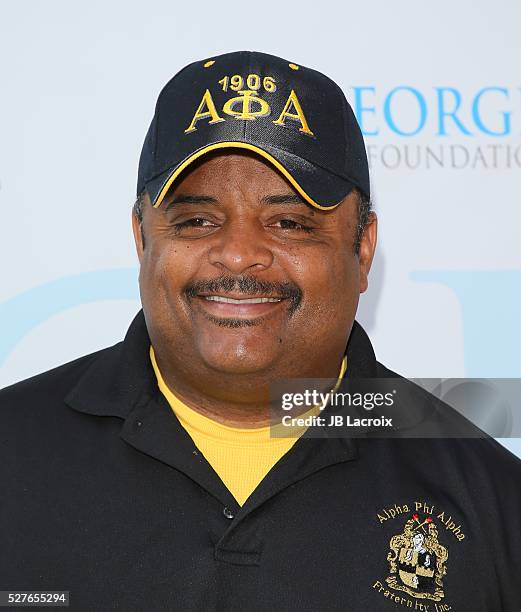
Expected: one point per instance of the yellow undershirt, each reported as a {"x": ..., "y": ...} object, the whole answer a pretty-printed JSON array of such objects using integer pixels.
[{"x": 240, "y": 456}]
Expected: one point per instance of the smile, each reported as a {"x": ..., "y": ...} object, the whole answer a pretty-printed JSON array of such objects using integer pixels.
[
  {"x": 237, "y": 307},
  {"x": 226, "y": 300}
]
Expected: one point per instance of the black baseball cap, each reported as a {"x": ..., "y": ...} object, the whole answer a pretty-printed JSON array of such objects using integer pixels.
[{"x": 293, "y": 116}]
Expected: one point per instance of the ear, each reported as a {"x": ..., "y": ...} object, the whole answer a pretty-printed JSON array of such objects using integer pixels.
[
  {"x": 138, "y": 236},
  {"x": 367, "y": 249}
]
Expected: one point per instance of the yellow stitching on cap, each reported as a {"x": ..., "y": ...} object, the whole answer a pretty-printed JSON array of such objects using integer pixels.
[
  {"x": 293, "y": 66},
  {"x": 238, "y": 145},
  {"x": 298, "y": 115},
  {"x": 208, "y": 64}
]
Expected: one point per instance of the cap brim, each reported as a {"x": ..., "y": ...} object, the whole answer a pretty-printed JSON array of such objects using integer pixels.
[{"x": 316, "y": 186}]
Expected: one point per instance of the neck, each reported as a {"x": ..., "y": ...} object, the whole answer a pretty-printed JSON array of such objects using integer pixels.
[{"x": 234, "y": 400}]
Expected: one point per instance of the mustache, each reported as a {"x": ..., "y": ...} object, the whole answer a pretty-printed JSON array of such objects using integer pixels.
[{"x": 249, "y": 286}]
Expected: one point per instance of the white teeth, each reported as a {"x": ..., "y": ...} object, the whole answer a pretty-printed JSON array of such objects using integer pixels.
[{"x": 220, "y": 298}]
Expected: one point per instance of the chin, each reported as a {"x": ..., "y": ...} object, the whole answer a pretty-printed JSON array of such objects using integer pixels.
[{"x": 236, "y": 359}]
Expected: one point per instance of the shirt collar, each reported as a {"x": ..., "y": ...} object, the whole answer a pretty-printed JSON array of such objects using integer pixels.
[{"x": 121, "y": 383}]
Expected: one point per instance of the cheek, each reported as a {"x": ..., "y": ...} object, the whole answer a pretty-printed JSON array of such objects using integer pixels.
[
  {"x": 165, "y": 269},
  {"x": 331, "y": 287},
  {"x": 338, "y": 275}
]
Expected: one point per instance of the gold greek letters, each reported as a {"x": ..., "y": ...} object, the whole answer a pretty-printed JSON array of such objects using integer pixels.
[
  {"x": 247, "y": 99},
  {"x": 298, "y": 115},
  {"x": 248, "y": 104},
  {"x": 206, "y": 102}
]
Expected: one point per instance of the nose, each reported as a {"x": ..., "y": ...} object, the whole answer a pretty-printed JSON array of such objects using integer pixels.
[{"x": 241, "y": 247}]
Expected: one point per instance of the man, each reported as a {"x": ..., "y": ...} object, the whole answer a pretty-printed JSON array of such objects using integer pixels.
[{"x": 144, "y": 476}]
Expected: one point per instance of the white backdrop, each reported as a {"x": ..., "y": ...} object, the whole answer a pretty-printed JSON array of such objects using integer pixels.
[{"x": 436, "y": 88}]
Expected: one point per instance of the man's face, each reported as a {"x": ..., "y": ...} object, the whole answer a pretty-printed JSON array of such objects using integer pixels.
[{"x": 240, "y": 276}]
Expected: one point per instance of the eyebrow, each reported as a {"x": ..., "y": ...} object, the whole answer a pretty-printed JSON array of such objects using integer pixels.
[
  {"x": 184, "y": 198},
  {"x": 283, "y": 198}
]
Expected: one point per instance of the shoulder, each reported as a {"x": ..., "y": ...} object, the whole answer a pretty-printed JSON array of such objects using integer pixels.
[
  {"x": 48, "y": 387},
  {"x": 451, "y": 434}
]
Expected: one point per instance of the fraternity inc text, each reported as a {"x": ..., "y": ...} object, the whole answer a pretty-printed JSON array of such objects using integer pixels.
[{"x": 313, "y": 397}]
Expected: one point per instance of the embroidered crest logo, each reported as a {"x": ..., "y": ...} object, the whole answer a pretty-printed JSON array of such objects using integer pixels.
[{"x": 417, "y": 560}]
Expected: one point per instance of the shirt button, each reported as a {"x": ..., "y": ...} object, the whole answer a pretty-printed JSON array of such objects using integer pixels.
[{"x": 227, "y": 512}]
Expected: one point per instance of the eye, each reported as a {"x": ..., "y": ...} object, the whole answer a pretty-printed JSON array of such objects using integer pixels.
[
  {"x": 194, "y": 222},
  {"x": 291, "y": 224},
  {"x": 194, "y": 227}
]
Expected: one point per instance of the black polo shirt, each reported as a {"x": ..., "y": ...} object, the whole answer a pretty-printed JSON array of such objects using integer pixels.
[{"x": 105, "y": 495}]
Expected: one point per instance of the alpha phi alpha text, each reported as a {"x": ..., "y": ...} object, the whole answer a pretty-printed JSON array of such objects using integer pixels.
[
  {"x": 419, "y": 506},
  {"x": 242, "y": 107}
]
